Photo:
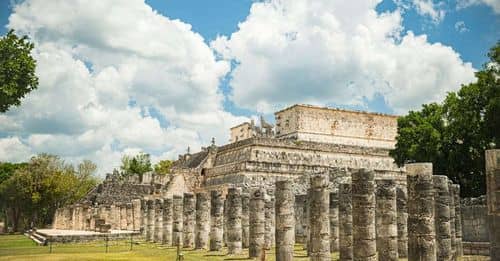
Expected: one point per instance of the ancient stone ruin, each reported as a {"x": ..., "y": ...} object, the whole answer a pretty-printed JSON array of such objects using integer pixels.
[{"x": 321, "y": 177}]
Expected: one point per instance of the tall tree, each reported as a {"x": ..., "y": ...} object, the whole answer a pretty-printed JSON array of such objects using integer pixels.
[
  {"x": 163, "y": 167},
  {"x": 138, "y": 164},
  {"x": 454, "y": 135},
  {"x": 17, "y": 70}
]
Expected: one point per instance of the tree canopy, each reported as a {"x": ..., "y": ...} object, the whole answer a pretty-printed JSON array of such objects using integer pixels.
[
  {"x": 36, "y": 189},
  {"x": 17, "y": 70},
  {"x": 137, "y": 164},
  {"x": 454, "y": 134},
  {"x": 163, "y": 167}
]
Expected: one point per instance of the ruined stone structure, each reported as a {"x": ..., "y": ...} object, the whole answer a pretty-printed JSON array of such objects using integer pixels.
[
  {"x": 189, "y": 220},
  {"x": 334, "y": 222},
  {"x": 285, "y": 220},
  {"x": 257, "y": 222},
  {"x": 363, "y": 212},
  {"x": 386, "y": 220},
  {"x": 320, "y": 218},
  {"x": 202, "y": 220},
  {"x": 442, "y": 218},
  {"x": 234, "y": 228},
  {"x": 493, "y": 197},
  {"x": 216, "y": 220},
  {"x": 345, "y": 222}
]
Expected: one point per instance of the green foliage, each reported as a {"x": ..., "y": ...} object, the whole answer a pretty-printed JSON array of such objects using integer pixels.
[
  {"x": 17, "y": 70},
  {"x": 454, "y": 135},
  {"x": 163, "y": 167},
  {"x": 33, "y": 192},
  {"x": 138, "y": 164},
  {"x": 7, "y": 169}
]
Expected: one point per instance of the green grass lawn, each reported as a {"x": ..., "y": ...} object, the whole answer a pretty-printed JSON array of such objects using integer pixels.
[{"x": 19, "y": 247}]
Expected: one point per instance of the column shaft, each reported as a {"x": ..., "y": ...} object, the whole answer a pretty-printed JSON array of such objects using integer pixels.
[
  {"x": 285, "y": 220},
  {"x": 216, "y": 220},
  {"x": 319, "y": 218},
  {"x": 442, "y": 218},
  {"x": 363, "y": 215},
  {"x": 234, "y": 229},
  {"x": 257, "y": 221},
  {"x": 202, "y": 220},
  {"x": 189, "y": 220},
  {"x": 386, "y": 220},
  {"x": 345, "y": 222}
]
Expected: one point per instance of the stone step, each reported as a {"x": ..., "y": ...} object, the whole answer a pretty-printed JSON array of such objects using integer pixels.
[{"x": 36, "y": 237}]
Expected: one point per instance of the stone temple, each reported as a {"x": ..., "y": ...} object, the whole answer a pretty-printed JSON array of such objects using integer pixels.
[{"x": 267, "y": 185}]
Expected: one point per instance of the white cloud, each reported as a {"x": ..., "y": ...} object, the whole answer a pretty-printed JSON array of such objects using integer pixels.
[
  {"x": 494, "y": 4},
  {"x": 333, "y": 52},
  {"x": 135, "y": 54},
  {"x": 460, "y": 27},
  {"x": 429, "y": 8}
]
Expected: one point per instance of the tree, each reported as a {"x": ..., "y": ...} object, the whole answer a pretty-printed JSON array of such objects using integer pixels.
[
  {"x": 163, "y": 167},
  {"x": 454, "y": 135},
  {"x": 35, "y": 191},
  {"x": 17, "y": 70},
  {"x": 138, "y": 164}
]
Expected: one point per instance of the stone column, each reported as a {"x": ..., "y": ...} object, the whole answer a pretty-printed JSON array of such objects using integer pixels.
[
  {"x": 307, "y": 222},
  {"x": 386, "y": 220},
  {"x": 245, "y": 200},
  {"x": 189, "y": 220},
  {"x": 177, "y": 223},
  {"x": 319, "y": 218},
  {"x": 421, "y": 234},
  {"x": 115, "y": 217},
  {"x": 334, "y": 222},
  {"x": 345, "y": 222},
  {"x": 458, "y": 220},
  {"x": 85, "y": 217},
  {"x": 167, "y": 221},
  {"x": 492, "y": 158},
  {"x": 136, "y": 214},
  {"x": 452, "y": 218},
  {"x": 216, "y": 220},
  {"x": 234, "y": 229},
  {"x": 363, "y": 215},
  {"x": 300, "y": 201},
  {"x": 401, "y": 199},
  {"x": 123, "y": 217},
  {"x": 285, "y": 220},
  {"x": 158, "y": 234},
  {"x": 150, "y": 226},
  {"x": 144, "y": 217},
  {"x": 130, "y": 217},
  {"x": 257, "y": 221},
  {"x": 270, "y": 221},
  {"x": 442, "y": 218},
  {"x": 224, "y": 233},
  {"x": 202, "y": 220}
]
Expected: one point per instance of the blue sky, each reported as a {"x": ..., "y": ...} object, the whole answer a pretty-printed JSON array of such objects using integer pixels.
[{"x": 117, "y": 78}]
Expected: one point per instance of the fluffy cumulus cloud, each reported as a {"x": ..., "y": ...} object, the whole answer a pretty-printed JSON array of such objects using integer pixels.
[
  {"x": 335, "y": 52},
  {"x": 115, "y": 77}
]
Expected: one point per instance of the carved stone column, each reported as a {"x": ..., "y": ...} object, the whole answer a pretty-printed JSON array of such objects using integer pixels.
[
  {"x": 458, "y": 220},
  {"x": 130, "y": 216},
  {"x": 270, "y": 222},
  {"x": 189, "y": 220},
  {"x": 257, "y": 221},
  {"x": 320, "y": 218},
  {"x": 234, "y": 229},
  {"x": 421, "y": 233},
  {"x": 158, "y": 234},
  {"x": 402, "y": 198},
  {"x": 345, "y": 222},
  {"x": 177, "y": 220},
  {"x": 150, "y": 226},
  {"x": 216, "y": 220},
  {"x": 136, "y": 214},
  {"x": 363, "y": 215},
  {"x": 386, "y": 220},
  {"x": 167, "y": 221},
  {"x": 492, "y": 158},
  {"x": 442, "y": 217},
  {"x": 285, "y": 220},
  {"x": 202, "y": 220},
  {"x": 334, "y": 222},
  {"x": 245, "y": 200}
]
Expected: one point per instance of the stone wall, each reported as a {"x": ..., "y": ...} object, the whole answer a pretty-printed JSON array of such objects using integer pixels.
[
  {"x": 319, "y": 124},
  {"x": 474, "y": 220}
]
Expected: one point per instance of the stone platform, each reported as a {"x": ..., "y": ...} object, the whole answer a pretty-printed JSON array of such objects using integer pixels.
[{"x": 68, "y": 236}]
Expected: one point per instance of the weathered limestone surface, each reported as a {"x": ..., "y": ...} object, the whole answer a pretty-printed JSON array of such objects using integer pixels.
[
  {"x": 167, "y": 221},
  {"x": 345, "y": 222},
  {"x": 257, "y": 221},
  {"x": 285, "y": 220},
  {"x": 363, "y": 215},
  {"x": 216, "y": 220},
  {"x": 177, "y": 214},
  {"x": 300, "y": 202},
  {"x": 150, "y": 227},
  {"x": 452, "y": 218},
  {"x": 270, "y": 221},
  {"x": 202, "y": 220},
  {"x": 401, "y": 201},
  {"x": 144, "y": 217},
  {"x": 421, "y": 233},
  {"x": 245, "y": 223},
  {"x": 386, "y": 220},
  {"x": 129, "y": 216},
  {"x": 334, "y": 222},
  {"x": 458, "y": 221},
  {"x": 189, "y": 220},
  {"x": 307, "y": 222},
  {"x": 442, "y": 217},
  {"x": 158, "y": 234},
  {"x": 234, "y": 229},
  {"x": 320, "y": 218},
  {"x": 493, "y": 200},
  {"x": 136, "y": 214}
]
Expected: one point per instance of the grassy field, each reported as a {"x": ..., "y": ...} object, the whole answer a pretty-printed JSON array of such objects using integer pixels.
[{"x": 18, "y": 247}]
